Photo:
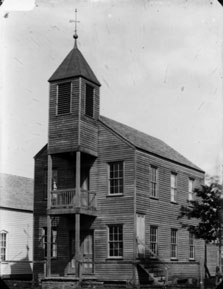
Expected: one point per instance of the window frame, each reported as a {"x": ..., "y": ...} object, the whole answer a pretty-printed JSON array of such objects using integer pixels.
[
  {"x": 151, "y": 242},
  {"x": 173, "y": 188},
  {"x": 86, "y": 100},
  {"x": 173, "y": 245},
  {"x": 109, "y": 242},
  {"x": 154, "y": 183},
  {"x": 191, "y": 247},
  {"x": 54, "y": 245},
  {"x": 3, "y": 246},
  {"x": 57, "y": 98},
  {"x": 190, "y": 192},
  {"x": 120, "y": 185}
]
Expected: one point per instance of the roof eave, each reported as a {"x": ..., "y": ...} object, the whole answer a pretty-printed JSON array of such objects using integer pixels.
[
  {"x": 170, "y": 160},
  {"x": 52, "y": 79},
  {"x": 42, "y": 150}
]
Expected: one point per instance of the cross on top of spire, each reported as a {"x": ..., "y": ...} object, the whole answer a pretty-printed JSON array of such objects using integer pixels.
[{"x": 75, "y": 36}]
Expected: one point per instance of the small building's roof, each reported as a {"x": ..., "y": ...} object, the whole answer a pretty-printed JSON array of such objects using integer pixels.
[
  {"x": 16, "y": 192},
  {"x": 74, "y": 65},
  {"x": 147, "y": 143}
]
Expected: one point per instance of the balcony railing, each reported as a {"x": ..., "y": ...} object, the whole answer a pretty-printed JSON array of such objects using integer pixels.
[{"x": 66, "y": 198}]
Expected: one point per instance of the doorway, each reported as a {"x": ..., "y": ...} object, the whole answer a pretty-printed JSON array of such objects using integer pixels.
[{"x": 87, "y": 252}]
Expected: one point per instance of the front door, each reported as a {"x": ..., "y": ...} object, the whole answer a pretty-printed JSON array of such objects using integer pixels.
[
  {"x": 71, "y": 265},
  {"x": 87, "y": 251}
]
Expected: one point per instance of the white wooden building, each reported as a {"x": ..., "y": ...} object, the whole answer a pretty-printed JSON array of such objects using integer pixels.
[{"x": 16, "y": 226}]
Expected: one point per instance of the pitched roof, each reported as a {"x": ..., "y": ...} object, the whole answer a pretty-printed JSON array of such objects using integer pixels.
[
  {"x": 74, "y": 65},
  {"x": 147, "y": 143},
  {"x": 16, "y": 192}
]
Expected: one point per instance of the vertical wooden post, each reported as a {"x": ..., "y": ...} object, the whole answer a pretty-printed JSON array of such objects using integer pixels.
[
  {"x": 134, "y": 226},
  {"x": 77, "y": 244},
  {"x": 77, "y": 216},
  {"x": 78, "y": 177},
  {"x": 49, "y": 187}
]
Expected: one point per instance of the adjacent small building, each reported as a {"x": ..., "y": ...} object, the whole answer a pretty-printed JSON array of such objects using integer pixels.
[
  {"x": 16, "y": 227},
  {"x": 107, "y": 196}
]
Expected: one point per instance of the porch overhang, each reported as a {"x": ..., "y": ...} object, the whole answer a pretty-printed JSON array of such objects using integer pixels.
[{"x": 72, "y": 211}]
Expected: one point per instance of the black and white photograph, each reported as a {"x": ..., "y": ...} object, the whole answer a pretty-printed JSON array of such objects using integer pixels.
[{"x": 111, "y": 162}]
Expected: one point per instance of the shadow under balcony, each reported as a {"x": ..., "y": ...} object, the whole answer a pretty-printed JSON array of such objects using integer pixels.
[{"x": 64, "y": 201}]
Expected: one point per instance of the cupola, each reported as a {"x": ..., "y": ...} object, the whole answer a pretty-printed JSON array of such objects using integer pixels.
[{"x": 73, "y": 105}]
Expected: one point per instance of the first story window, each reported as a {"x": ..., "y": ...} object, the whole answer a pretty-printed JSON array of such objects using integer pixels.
[
  {"x": 173, "y": 185},
  {"x": 173, "y": 240},
  {"x": 191, "y": 246},
  {"x": 154, "y": 239},
  {"x": 154, "y": 173},
  {"x": 116, "y": 179},
  {"x": 63, "y": 98},
  {"x": 53, "y": 241},
  {"x": 3, "y": 243},
  {"x": 115, "y": 241}
]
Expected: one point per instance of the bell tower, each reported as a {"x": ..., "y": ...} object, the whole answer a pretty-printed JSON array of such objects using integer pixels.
[{"x": 73, "y": 105}]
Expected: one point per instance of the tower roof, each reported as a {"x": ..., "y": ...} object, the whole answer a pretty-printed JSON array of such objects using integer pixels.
[{"x": 74, "y": 65}]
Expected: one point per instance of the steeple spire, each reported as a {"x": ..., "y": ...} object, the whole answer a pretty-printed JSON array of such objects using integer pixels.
[{"x": 75, "y": 36}]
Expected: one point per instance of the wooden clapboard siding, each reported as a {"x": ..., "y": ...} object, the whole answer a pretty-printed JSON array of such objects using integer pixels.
[
  {"x": 63, "y": 129},
  {"x": 19, "y": 242},
  {"x": 184, "y": 270},
  {"x": 114, "y": 271},
  {"x": 74, "y": 130},
  {"x": 39, "y": 213},
  {"x": 89, "y": 135},
  {"x": 89, "y": 125},
  {"x": 40, "y": 201},
  {"x": 114, "y": 209},
  {"x": 161, "y": 212}
]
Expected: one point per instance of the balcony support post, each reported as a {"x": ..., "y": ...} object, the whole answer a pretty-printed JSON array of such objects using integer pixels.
[
  {"x": 77, "y": 216},
  {"x": 49, "y": 187}
]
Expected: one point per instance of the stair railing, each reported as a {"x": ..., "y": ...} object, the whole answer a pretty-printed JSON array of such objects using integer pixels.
[{"x": 155, "y": 256}]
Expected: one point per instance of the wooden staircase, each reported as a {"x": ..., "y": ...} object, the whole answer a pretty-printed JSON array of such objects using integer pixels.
[
  {"x": 152, "y": 269},
  {"x": 155, "y": 272}
]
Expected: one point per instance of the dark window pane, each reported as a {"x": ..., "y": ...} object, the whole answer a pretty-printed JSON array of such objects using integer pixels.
[
  {"x": 89, "y": 101},
  {"x": 64, "y": 98}
]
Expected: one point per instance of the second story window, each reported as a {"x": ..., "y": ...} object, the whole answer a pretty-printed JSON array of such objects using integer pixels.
[
  {"x": 64, "y": 98},
  {"x": 173, "y": 185},
  {"x": 154, "y": 173},
  {"x": 89, "y": 101},
  {"x": 190, "y": 189},
  {"x": 3, "y": 236},
  {"x": 116, "y": 179}
]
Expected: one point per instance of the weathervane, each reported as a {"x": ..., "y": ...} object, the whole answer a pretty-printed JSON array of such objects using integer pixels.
[{"x": 75, "y": 36}]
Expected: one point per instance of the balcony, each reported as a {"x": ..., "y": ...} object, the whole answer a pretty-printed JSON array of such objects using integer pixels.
[{"x": 64, "y": 201}]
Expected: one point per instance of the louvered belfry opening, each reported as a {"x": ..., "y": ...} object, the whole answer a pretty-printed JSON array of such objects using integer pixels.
[
  {"x": 64, "y": 98},
  {"x": 89, "y": 101}
]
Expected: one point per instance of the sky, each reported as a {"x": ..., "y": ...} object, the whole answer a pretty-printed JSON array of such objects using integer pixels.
[{"x": 160, "y": 64}]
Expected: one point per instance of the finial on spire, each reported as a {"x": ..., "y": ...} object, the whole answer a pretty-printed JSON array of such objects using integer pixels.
[{"x": 75, "y": 36}]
